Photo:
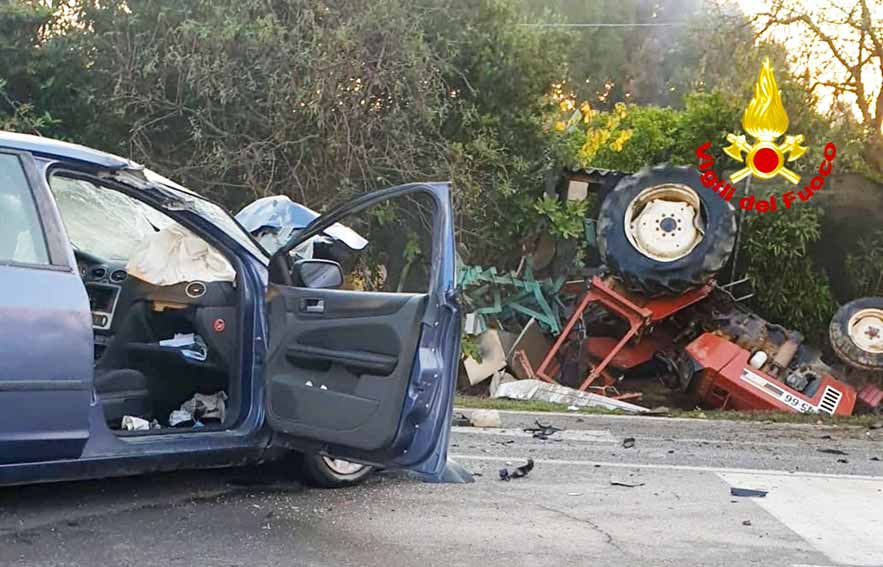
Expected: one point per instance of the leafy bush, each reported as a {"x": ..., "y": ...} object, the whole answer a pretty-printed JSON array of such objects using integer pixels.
[
  {"x": 564, "y": 220},
  {"x": 864, "y": 267},
  {"x": 316, "y": 100},
  {"x": 790, "y": 289}
]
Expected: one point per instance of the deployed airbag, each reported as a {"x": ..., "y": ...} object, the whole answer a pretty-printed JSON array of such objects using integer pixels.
[{"x": 174, "y": 255}]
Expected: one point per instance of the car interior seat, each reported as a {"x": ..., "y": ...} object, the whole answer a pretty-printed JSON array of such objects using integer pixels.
[{"x": 123, "y": 391}]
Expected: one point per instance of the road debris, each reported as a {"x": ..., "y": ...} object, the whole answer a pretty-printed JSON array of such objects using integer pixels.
[
  {"x": 486, "y": 419},
  {"x": 628, "y": 442},
  {"x": 538, "y": 390},
  {"x": 832, "y": 451},
  {"x": 517, "y": 472},
  {"x": 528, "y": 351},
  {"x": 499, "y": 377},
  {"x": 493, "y": 357},
  {"x": 626, "y": 483},
  {"x": 746, "y": 522},
  {"x": 461, "y": 420},
  {"x": 542, "y": 431},
  {"x": 748, "y": 492}
]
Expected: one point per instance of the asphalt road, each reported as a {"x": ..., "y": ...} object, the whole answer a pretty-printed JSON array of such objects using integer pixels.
[{"x": 822, "y": 508}]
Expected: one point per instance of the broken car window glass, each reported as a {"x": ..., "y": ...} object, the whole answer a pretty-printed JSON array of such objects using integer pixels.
[
  {"x": 210, "y": 211},
  {"x": 115, "y": 227},
  {"x": 103, "y": 222}
]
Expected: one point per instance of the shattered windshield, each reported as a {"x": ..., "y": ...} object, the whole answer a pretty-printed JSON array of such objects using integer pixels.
[
  {"x": 94, "y": 217},
  {"x": 210, "y": 211}
]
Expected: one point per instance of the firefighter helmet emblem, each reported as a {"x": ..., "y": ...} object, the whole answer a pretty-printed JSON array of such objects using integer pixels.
[{"x": 766, "y": 120}]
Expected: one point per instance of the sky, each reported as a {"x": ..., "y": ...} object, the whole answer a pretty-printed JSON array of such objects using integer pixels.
[{"x": 817, "y": 59}]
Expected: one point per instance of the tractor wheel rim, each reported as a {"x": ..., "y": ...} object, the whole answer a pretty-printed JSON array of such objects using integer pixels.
[
  {"x": 342, "y": 467},
  {"x": 866, "y": 330},
  {"x": 664, "y": 222}
]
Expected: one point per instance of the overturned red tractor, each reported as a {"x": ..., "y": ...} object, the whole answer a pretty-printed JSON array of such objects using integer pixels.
[{"x": 663, "y": 238}]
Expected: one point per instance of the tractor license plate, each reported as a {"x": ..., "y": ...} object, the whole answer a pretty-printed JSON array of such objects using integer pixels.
[{"x": 771, "y": 389}]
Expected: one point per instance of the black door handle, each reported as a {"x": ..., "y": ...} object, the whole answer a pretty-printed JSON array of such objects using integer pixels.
[{"x": 312, "y": 305}]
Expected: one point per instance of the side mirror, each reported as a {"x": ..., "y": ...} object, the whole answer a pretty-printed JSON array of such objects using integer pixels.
[{"x": 318, "y": 274}]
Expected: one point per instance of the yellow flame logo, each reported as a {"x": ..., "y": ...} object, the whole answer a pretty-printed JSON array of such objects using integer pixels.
[{"x": 766, "y": 120}]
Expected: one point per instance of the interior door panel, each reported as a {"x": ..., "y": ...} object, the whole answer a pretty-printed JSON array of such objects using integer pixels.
[
  {"x": 339, "y": 374},
  {"x": 369, "y": 376}
]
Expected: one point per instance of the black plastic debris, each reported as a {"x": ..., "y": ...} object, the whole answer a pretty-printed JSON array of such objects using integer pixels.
[
  {"x": 628, "y": 442},
  {"x": 626, "y": 484},
  {"x": 843, "y": 461},
  {"x": 875, "y": 458},
  {"x": 832, "y": 451},
  {"x": 461, "y": 420},
  {"x": 517, "y": 472},
  {"x": 748, "y": 492},
  {"x": 746, "y": 522},
  {"x": 542, "y": 431}
]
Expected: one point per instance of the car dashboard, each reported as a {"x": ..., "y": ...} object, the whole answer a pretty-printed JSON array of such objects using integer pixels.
[
  {"x": 208, "y": 308},
  {"x": 103, "y": 281}
]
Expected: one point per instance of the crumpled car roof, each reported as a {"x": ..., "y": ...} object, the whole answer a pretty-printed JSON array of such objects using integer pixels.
[{"x": 279, "y": 212}]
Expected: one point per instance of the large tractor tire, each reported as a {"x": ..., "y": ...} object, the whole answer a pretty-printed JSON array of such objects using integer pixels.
[
  {"x": 856, "y": 333},
  {"x": 663, "y": 233}
]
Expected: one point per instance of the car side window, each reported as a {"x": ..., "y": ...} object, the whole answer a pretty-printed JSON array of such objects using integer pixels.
[
  {"x": 21, "y": 233},
  {"x": 387, "y": 247}
]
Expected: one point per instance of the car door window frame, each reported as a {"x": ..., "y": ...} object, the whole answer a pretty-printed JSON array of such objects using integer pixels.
[
  {"x": 281, "y": 262},
  {"x": 48, "y": 218}
]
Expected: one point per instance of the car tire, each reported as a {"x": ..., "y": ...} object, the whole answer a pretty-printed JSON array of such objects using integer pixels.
[
  {"x": 856, "y": 333},
  {"x": 327, "y": 472},
  {"x": 650, "y": 235}
]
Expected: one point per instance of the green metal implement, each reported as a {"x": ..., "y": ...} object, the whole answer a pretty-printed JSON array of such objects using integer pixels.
[{"x": 507, "y": 296}]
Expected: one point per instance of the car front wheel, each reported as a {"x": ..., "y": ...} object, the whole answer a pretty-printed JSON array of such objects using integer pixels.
[{"x": 328, "y": 472}]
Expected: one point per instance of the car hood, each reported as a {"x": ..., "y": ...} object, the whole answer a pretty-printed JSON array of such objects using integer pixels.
[{"x": 281, "y": 217}]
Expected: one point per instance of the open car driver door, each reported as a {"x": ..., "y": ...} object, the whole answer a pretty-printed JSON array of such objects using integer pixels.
[{"x": 362, "y": 365}]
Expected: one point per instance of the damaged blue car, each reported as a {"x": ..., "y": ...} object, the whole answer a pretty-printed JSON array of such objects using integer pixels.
[{"x": 145, "y": 329}]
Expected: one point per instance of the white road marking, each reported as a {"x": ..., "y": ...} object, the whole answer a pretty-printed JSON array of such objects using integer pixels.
[
  {"x": 578, "y": 414},
  {"x": 592, "y": 435},
  {"x": 644, "y": 417},
  {"x": 841, "y": 517},
  {"x": 651, "y": 466},
  {"x": 604, "y": 436}
]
